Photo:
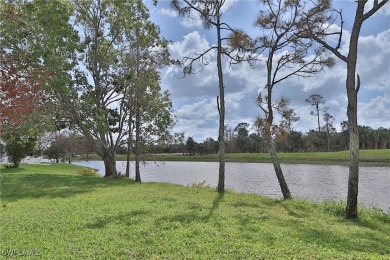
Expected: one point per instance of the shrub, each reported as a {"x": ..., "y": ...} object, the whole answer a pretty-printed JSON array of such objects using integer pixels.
[
  {"x": 89, "y": 172},
  {"x": 199, "y": 185}
]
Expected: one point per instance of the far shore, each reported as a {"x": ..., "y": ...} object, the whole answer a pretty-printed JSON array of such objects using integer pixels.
[{"x": 374, "y": 158}]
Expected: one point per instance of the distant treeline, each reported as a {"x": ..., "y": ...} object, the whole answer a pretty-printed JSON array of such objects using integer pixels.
[
  {"x": 241, "y": 141},
  {"x": 62, "y": 147}
]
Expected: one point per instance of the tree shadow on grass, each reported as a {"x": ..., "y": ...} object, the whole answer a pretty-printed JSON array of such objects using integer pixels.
[
  {"x": 331, "y": 237},
  {"x": 21, "y": 185},
  {"x": 129, "y": 218},
  {"x": 301, "y": 226},
  {"x": 217, "y": 200},
  {"x": 194, "y": 214}
]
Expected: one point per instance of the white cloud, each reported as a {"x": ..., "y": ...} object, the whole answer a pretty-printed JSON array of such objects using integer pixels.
[
  {"x": 229, "y": 4},
  {"x": 192, "y": 21},
  {"x": 374, "y": 61},
  {"x": 192, "y": 43},
  {"x": 376, "y": 112},
  {"x": 168, "y": 12},
  {"x": 199, "y": 119}
]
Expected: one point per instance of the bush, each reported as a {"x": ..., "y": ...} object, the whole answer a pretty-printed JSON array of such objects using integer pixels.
[
  {"x": 89, "y": 172},
  {"x": 199, "y": 185}
]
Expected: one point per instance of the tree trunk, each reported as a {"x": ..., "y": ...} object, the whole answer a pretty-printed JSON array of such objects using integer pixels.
[
  {"x": 137, "y": 114},
  {"x": 137, "y": 144},
  {"x": 221, "y": 110},
  {"x": 318, "y": 118},
  {"x": 109, "y": 164},
  {"x": 352, "y": 92},
  {"x": 70, "y": 156},
  {"x": 278, "y": 169},
  {"x": 127, "y": 175},
  {"x": 327, "y": 132},
  {"x": 16, "y": 162}
]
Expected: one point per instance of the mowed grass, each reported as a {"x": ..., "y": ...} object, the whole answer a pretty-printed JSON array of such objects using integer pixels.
[
  {"x": 55, "y": 213},
  {"x": 376, "y": 157},
  {"x": 379, "y": 157}
]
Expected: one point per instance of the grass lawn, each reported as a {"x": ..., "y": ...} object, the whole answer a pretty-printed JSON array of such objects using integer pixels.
[
  {"x": 52, "y": 212},
  {"x": 380, "y": 157}
]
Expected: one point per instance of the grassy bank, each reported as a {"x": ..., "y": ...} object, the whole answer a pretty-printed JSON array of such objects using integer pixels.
[
  {"x": 367, "y": 157},
  {"x": 53, "y": 212}
]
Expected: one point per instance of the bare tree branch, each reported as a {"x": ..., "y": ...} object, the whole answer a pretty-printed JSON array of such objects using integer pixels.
[{"x": 374, "y": 9}]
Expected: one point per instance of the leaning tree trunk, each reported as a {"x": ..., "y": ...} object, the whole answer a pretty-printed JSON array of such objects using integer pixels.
[
  {"x": 352, "y": 92},
  {"x": 278, "y": 169},
  {"x": 221, "y": 110}
]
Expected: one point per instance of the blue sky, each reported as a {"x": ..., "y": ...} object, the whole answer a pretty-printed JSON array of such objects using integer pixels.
[{"x": 194, "y": 97}]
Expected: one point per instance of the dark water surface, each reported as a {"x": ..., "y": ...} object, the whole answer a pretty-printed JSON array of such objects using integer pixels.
[{"x": 306, "y": 181}]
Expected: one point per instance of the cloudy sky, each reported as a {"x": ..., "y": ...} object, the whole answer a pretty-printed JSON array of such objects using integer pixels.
[{"x": 194, "y": 97}]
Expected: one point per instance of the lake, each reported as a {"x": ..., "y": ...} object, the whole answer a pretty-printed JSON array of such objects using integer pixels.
[{"x": 306, "y": 181}]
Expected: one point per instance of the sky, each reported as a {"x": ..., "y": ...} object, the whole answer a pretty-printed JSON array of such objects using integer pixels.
[{"x": 194, "y": 97}]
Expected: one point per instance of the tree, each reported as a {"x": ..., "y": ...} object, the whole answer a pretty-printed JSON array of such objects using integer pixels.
[
  {"x": 56, "y": 150},
  {"x": 210, "y": 146},
  {"x": 328, "y": 119},
  {"x": 22, "y": 100},
  {"x": 114, "y": 35},
  {"x": 191, "y": 146},
  {"x": 242, "y": 141},
  {"x": 90, "y": 98},
  {"x": 382, "y": 138},
  {"x": 149, "y": 111},
  {"x": 43, "y": 141},
  {"x": 316, "y": 101},
  {"x": 366, "y": 137},
  {"x": 19, "y": 142},
  {"x": 287, "y": 53},
  {"x": 210, "y": 12},
  {"x": 179, "y": 137},
  {"x": 352, "y": 85},
  {"x": 37, "y": 39},
  {"x": 21, "y": 96},
  {"x": 315, "y": 141},
  {"x": 295, "y": 141},
  {"x": 156, "y": 113},
  {"x": 2, "y": 152},
  {"x": 35, "y": 54},
  {"x": 291, "y": 117}
]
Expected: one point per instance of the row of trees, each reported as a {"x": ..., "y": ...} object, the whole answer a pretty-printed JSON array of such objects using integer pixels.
[{"x": 91, "y": 66}]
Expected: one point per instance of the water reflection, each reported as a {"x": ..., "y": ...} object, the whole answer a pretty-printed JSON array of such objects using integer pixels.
[{"x": 312, "y": 182}]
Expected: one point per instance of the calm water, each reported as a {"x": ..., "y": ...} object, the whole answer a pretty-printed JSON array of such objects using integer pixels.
[{"x": 312, "y": 182}]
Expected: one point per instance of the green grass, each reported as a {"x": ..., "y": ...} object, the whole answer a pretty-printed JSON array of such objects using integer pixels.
[
  {"x": 55, "y": 212},
  {"x": 367, "y": 157}
]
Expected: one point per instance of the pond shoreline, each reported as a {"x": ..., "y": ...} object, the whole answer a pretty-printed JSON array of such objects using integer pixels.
[{"x": 160, "y": 158}]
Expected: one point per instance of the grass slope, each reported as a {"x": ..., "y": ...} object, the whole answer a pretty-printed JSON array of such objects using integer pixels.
[
  {"x": 51, "y": 212},
  {"x": 370, "y": 157}
]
